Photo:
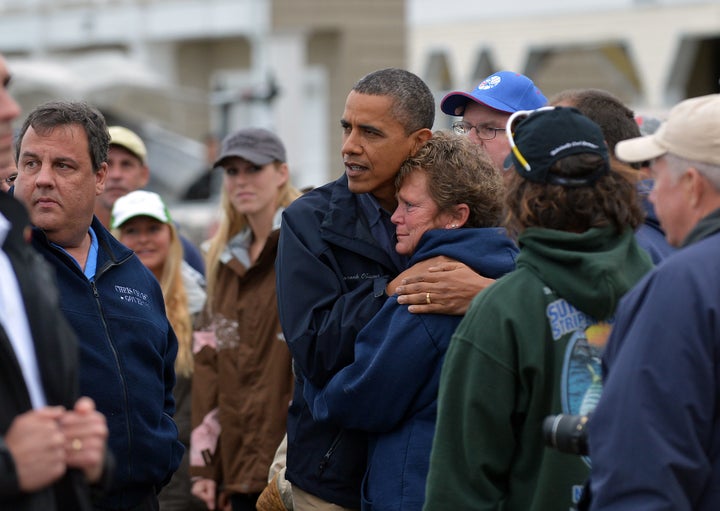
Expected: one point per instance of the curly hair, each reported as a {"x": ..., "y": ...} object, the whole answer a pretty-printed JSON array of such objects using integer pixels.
[
  {"x": 611, "y": 200},
  {"x": 458, "y": 172}
]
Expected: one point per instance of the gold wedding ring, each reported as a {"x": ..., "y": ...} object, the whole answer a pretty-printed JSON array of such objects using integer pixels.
[
  {"x": 76, "y": 444},
  {"x": 427, "y": 298}
]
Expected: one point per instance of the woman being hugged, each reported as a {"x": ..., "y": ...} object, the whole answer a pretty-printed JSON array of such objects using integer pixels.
[{"x": 243, "y": 377}]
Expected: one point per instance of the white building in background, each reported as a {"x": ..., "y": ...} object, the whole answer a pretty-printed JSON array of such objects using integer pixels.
[
  {"x": 650, "y": 53},
  {"x": 178, "y": 69}
]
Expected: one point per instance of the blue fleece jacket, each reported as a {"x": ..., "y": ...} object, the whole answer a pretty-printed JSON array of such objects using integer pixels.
[
  {"x": 127, "y": 356},
  {"x": 390, "y": 390}
]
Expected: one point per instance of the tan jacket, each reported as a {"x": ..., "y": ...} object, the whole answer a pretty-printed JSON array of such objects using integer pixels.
[{"x": 242, "y": 369}]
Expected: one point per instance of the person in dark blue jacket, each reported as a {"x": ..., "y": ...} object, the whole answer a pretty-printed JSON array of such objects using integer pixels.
[
  {"x": 113, "y": 303},
  {"x": 336, "y": 263},
  {"x": 449, "y": 204},
  {"x": 654, "y": 437}
]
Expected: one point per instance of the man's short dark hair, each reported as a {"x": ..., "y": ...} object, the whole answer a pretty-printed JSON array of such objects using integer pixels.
[
  {"x": 49, "y": 116},
  {"x": 413, "y": 102},
  {"x": 616, "y": 120}
]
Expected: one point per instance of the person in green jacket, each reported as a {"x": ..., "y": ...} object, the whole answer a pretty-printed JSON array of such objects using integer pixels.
[{"x": 530, "y": 344}]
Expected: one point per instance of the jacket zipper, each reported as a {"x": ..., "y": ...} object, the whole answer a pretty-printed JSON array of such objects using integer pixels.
[
  {"x": 119, "y": 370},
  {"x": 326, "y": 459}
]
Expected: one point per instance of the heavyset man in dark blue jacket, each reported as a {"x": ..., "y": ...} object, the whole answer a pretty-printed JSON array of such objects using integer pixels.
[
  {"x": 655, "y": 434},
  {"x": 114, "y": 304},
  {"x": 336, "y": 261}
]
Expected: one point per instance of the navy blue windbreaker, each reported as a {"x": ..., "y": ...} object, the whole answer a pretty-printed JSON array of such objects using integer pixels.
[{"x": 331, "y": 278}]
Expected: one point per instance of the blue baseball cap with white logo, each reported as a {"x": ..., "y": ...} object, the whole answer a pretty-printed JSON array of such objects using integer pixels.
[{"x": 506, "y": 91}]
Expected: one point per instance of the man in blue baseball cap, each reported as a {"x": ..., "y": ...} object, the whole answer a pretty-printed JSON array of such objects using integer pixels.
[{"x": 486, "y": 109}]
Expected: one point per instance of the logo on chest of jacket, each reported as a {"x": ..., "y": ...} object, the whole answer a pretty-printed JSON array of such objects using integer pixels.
[
  {"x": 132, "y": 295},
  {"x": 362, "y": 276}
]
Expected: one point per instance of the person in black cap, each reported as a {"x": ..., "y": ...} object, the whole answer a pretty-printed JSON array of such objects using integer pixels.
[
  {"x": 243, "y": 379},
  {"x": 529, "y": 346}
]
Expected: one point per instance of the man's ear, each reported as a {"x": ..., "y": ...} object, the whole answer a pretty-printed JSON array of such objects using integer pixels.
[
  {"x": 100, "y": 176},
  {"x": 419, "y": 138},
  {"x": 697, "y": 187},
  {"x": 145, "y": 173}
]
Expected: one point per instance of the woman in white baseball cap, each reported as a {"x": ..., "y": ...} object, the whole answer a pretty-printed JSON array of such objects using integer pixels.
[{"x": 141, "y": 221}]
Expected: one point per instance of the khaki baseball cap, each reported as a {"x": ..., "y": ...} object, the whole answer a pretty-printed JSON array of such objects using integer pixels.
[
  {"x": 126, "y": 138},
  {"x": 692, "y": 131}
]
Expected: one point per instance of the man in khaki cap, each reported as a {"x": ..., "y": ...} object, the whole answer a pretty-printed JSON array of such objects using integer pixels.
[
  {"x": 127, "y": 170},
  {"x": 658, "y": 413}
]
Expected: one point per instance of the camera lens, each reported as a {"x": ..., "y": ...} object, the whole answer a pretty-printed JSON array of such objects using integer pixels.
[{"x": 567, "y": 433}]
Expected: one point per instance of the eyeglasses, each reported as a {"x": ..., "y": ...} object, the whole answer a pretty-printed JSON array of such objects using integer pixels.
[
  {"x": 484, "y": 132},
  {"x": 11, "y": 178},
  {"x": 519, "y": 115}
]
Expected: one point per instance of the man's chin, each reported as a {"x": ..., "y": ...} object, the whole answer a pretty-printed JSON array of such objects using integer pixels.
[
  {"x": 42, "y": 222},
  {"x": 357, "y": 186}
]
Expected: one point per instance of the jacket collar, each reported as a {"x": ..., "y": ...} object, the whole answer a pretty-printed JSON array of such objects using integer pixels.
[
  {"x": 110, "y": 250},
  {"x": 345, "y": 227},
  {"x": 704, "y": 228}
]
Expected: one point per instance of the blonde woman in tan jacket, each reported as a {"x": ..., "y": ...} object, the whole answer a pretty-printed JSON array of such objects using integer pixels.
[{"x": 243, "y": 378}]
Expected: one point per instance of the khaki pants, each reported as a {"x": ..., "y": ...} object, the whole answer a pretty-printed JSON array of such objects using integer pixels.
[{"x": 303, "y": 501}]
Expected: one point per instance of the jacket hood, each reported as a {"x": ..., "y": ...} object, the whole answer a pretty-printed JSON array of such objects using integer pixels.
[
  {"x": 591, "y": 270},
  {"x": 488, "y": 251}
]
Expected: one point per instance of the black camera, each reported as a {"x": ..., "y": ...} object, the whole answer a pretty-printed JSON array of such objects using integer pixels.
[{"x": 567, "y": 433}]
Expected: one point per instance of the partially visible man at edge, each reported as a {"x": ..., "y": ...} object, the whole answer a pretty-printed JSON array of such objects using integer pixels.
[
  {"x": 47, "y": 435},
  {"x": 661, "y": 372},
  {"x": 336, "y": 266},
  {"x": 114, "y": 304}
]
